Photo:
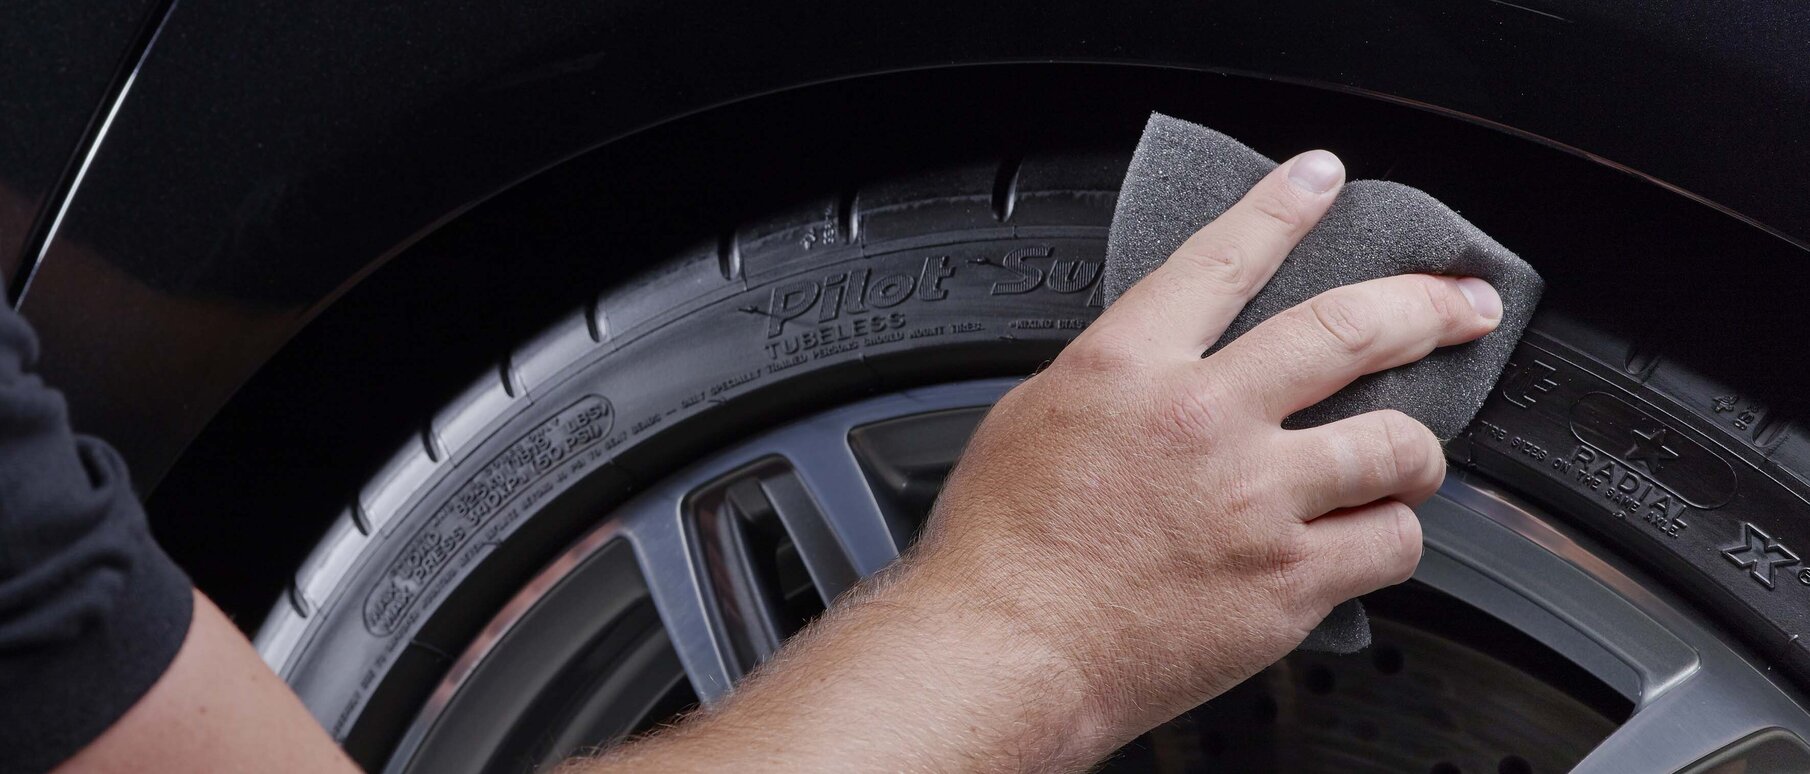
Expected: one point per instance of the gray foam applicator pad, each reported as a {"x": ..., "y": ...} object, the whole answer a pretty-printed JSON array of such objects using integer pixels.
[{"x": 1184, "y": 175}]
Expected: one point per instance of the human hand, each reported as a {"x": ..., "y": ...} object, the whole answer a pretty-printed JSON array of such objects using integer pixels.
[
  {"x": 1129, "y": 533},
  {"x": 1139, "y": 509}
]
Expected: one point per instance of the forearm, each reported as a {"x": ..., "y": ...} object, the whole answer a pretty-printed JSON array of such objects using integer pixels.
[
  {"x": 217, "y": 708},
  {"x": 909, "y": 674}
]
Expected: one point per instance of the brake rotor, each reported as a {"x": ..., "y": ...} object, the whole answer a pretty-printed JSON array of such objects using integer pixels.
[{"x": 1415, "y": 701}]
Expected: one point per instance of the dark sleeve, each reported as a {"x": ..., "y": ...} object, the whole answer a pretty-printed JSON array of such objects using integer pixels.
[{"x": 91, "y": 610}]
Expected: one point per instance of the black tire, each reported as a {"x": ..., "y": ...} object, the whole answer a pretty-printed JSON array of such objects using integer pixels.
[{"x": 966, "y": 273}]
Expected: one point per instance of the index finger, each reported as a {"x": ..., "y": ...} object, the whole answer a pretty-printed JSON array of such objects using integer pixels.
[
  {"x": 1187, "y": 302},
  {"x": 1299, "y": 357}
]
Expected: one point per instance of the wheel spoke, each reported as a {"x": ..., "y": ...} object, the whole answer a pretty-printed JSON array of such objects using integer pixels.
[
  {"x": 714, "y": 541},
  {"x": 829, "y": 508},
  {"x": 1694, "y": 695},
  {"x": 663, "y": 547},
  {"x": 1682, "y": 726},
  {"x": 1485, "y": 564},
  {"x": 736, "y": 549}
]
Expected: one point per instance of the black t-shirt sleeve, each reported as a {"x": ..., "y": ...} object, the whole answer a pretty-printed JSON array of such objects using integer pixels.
[{"x": 91, "y": 610}]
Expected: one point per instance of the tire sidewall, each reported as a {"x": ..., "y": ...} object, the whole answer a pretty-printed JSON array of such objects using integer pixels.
[{"x": 740, "y": 353}]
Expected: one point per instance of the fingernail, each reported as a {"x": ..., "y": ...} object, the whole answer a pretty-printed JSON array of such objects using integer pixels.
[
  {"x": 1483, "y": 298},
  {"x": 1316, "y": 171}
]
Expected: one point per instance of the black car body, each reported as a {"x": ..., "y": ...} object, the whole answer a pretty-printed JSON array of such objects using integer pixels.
[{"x": 196, "y": 198}]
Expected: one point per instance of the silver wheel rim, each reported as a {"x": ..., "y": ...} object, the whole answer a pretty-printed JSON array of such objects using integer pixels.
[{"x": 1699, "y": 699}]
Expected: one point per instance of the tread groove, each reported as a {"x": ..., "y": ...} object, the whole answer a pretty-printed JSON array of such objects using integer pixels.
[
  {"x": 298, "y": 602},
  {"x": 592, "y": 324},
  {"x": 729, "y": 256},
  {"x": 360, "y": 520},
  {"x": 1643, "y": 357},
  {"x": 1769, "y": 429},
  {"x": 1005, "y": 189},
  {"x": 430, "y": 443},
  {"x": 848, "y": 219},
  {"x": 506, "y": 371}
]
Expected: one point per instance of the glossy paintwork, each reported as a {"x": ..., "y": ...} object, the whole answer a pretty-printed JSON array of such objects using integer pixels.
[
  {"x": 270, "y": 154},
  {"x": 57, "y": 61}
]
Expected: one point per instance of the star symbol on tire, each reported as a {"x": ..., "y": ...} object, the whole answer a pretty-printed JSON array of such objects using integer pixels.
[{"x": 1649, "y": 449}]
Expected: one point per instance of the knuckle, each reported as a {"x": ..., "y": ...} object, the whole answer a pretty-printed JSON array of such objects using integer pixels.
[
  {"x": 1442, "y": 301},
  {"x": 1292, "y": 580},
  {"x": 1279, "y": 208},
  {"x": 1100, "y": 351},
  {"x": 1411, "y": 448},
  {"x": 1344, "y": 321},
  {"x": 1195, "y": 409},
  {"x": 1219, "y": 261},
  {"x": 1021, "y": 393},
  {"x": 1401, "y": 542},
  {"x": 1292, "y": 556},
  {"x": 1244, "y": 496}
]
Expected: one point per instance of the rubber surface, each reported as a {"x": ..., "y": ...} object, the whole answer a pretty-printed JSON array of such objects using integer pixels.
[{"x": 959, "y": 273}]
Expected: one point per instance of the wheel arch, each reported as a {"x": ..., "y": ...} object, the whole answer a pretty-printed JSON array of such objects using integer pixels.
[{"x": 219, "y": 223}]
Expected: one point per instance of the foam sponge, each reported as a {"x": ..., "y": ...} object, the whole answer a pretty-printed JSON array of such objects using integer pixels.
[{"x": 1184, "y": 175}]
